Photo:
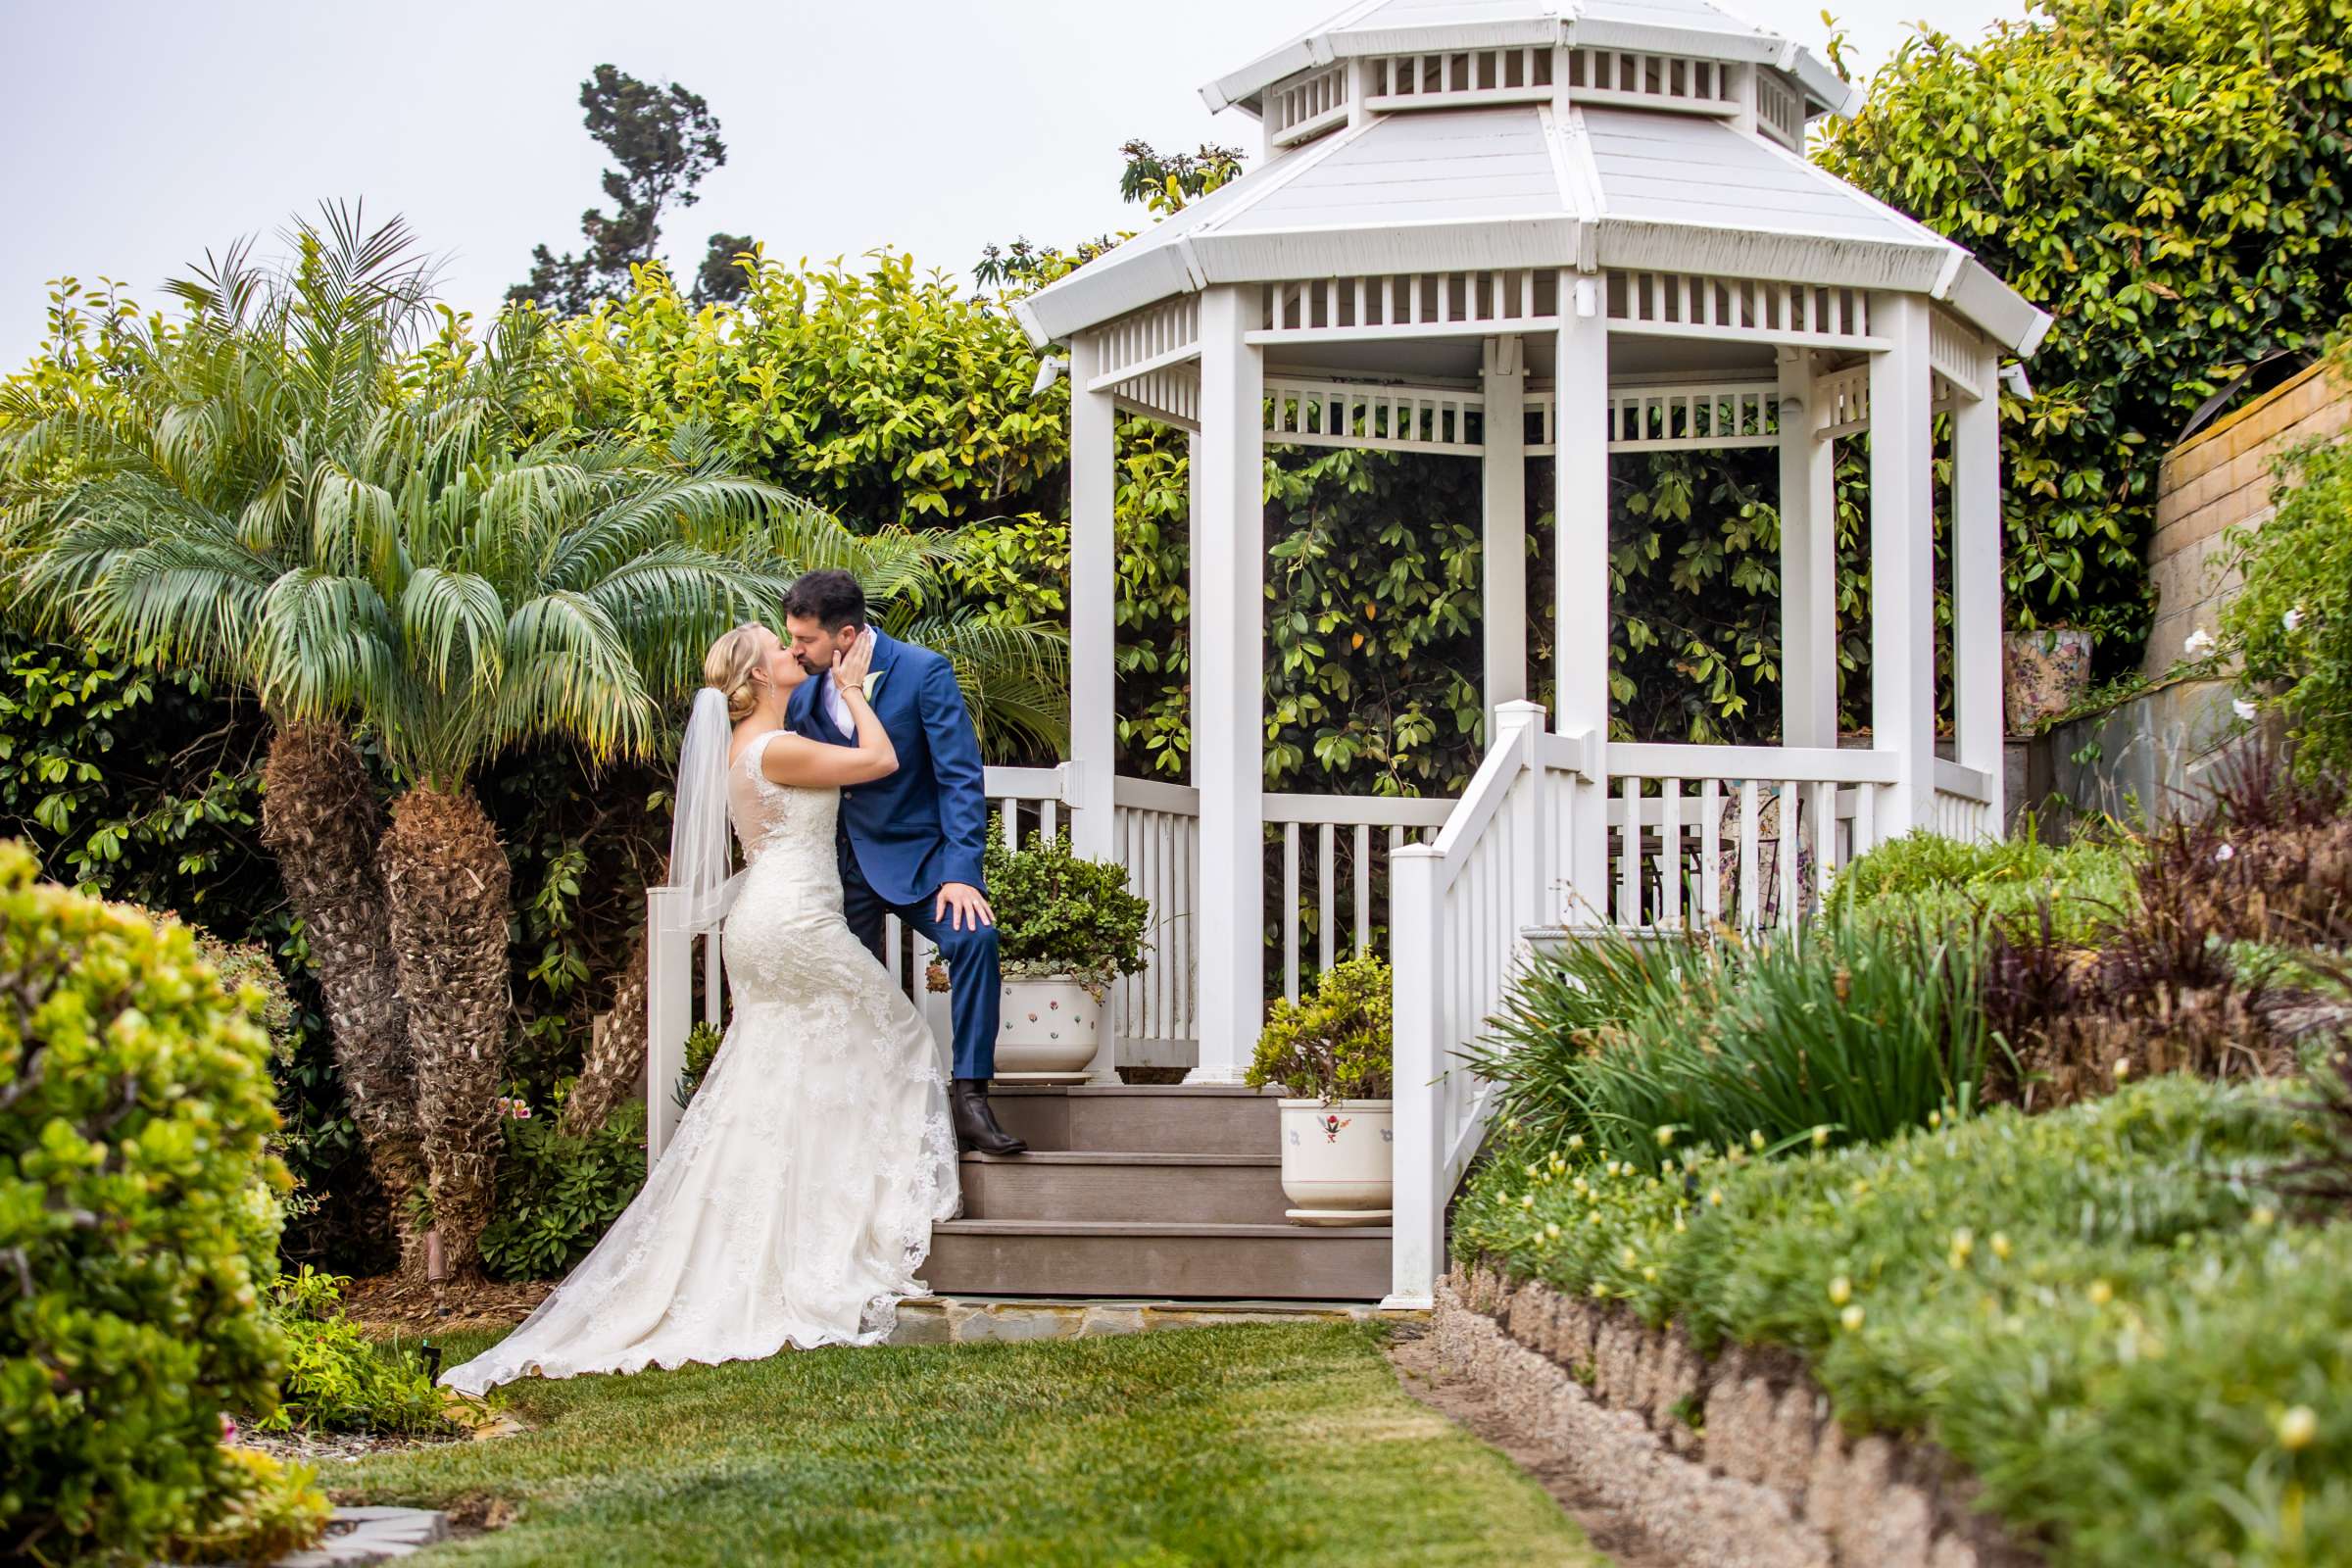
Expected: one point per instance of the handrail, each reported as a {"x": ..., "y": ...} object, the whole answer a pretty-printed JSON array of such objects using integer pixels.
[
  {"x": 1969, "y": 783},
  {"x": 1806, "y": 765}
]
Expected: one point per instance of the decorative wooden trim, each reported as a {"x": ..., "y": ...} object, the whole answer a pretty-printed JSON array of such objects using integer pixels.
[
  {"x": 1408, "y": 305},
  {"x": 1454, "y": 78},
  {"x": 1170, "y": 394},
  {"x": 1842, "y": 402},
  {"x": 1780, "y": 110},
  {"x": 1146, "y": 340},
  {"x": 1739, "y": 309},
  {"x": 1391, "y": 418},
  {"x": 1306, "y": 106},
  {"x": 1954, "y": 351},
  {"x": 1639, "y": 79}
]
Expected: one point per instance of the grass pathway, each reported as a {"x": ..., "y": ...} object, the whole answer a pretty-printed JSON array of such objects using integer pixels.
[{"x": 1255, "y": 1443}]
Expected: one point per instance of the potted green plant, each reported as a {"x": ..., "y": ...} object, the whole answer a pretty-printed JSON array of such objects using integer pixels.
[
  {"x": 1066, "y": 928},
  {"x": 1333, "y": 1050}
]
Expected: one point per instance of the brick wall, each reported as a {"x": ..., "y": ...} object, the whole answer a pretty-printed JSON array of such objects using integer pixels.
[{"x": 2221, "y": 478}]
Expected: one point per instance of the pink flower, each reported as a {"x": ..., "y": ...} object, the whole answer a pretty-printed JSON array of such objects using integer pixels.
[{"x": 228, "y": 1426}]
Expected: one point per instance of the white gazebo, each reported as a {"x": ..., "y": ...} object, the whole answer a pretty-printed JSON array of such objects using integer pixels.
[{"x": 1504, "y": 229}]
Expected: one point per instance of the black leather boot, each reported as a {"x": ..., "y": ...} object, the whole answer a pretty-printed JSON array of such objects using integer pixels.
[{"x": 976, "y": 1129}]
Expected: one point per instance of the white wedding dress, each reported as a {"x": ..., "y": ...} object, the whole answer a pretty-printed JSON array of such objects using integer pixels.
[{"x": 795, "y": 1203}]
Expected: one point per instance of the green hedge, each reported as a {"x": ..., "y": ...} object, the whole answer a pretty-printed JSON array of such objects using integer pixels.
[
  {"x": 137, "y": 1223},
  {"x": 2095, "y": 1310}
]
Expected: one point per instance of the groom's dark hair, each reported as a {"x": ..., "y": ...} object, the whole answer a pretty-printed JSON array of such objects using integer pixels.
[{"x": 829, "y": 597}]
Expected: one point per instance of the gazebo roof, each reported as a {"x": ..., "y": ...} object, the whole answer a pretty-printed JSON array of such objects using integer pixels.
[{"x": 1507, "y": 180}]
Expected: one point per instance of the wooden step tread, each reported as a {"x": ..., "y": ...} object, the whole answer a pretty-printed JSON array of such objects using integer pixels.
[
  {"x": 1153, "y": 1228},
  {"x": 1114, "y": 1157},
  {"x": 1137, "y": 1091}
]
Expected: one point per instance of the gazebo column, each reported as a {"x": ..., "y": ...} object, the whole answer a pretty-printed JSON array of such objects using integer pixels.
[
  {"x": 1902, "y": 557},
  {"x": 1977, "y": 584},
  {"x": 1503, "y": 382},
  {"x": 1228, "y": 601},
  {"x": 1808, "y": 562},
  {"x": 1094, "y": 588},
  {"x": 1581, "y": 601}
]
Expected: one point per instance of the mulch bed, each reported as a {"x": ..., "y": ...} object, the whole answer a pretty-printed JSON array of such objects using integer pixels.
[{"x": 390, "y": 1304}]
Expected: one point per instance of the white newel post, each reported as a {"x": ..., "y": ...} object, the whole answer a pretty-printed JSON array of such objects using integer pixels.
[
  {"x": 1503, "y": 471},
  {"x": 1094, "y": 611},
  {"x": 1581, "y": 528},
  {"x": 1520, "y": 725},
  {"x": 669, "y": 1011},
  {"x": 1902, "y": 558},
  {"x": 1417, "y": 1243},
  {"x": 1229, "y": 683},
  {"x": 1977, "y": 585},
  {"x": 1808, "y": 562}
]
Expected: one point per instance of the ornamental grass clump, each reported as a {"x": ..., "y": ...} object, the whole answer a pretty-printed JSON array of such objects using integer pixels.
[
  {"x": 2082, "y": 889},
  {"x": 2100, "y": 1313},
  {"x": 138, "y": 1222},
  {"x": 1640, "y": 1049}
]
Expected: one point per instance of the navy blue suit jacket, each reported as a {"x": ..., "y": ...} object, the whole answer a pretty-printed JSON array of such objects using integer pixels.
[{"x": 926, "y": 823}]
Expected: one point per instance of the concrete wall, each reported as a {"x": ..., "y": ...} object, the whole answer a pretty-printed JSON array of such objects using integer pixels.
[{"x": 2221, "y": 478}]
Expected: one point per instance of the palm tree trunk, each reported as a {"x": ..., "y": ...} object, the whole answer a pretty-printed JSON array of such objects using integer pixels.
[
  {"x": 448, "y": 883},
  {"x": 614, "y": 1061},
  {"x": 319, "y": 818}
]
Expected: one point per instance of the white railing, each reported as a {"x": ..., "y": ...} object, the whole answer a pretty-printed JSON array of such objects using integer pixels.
[
  {"x": 1963, "y": 803},
  {"x": 1306, "y": 106},
  {"x": 1458, "y": 907},
  {"x": 1157, "y": 836},
  {"x": 1641, "y": 80},
  {"x": 1354, "y": 840},
  {"x": 1741, "y": 836},
  {"x": 1500, "y": 76}
]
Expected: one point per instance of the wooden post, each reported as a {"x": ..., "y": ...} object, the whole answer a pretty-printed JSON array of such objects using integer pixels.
[
  {"x": 1228, "y": 601},
  {"x": 1977, "y": 623},
  {"x": 1521, "y": 725},
  {"x": 1808, "y": 562},
  {"x": 1581, "y": 533},
  {"x": 1417, "y": 1244},
  {"x": 1504, "y": 469},
  {"x": 1094, "y": 643},
  {"x": 1902, "y": 605}
]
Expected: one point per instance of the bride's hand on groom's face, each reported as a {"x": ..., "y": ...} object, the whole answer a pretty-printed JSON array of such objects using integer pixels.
[{"x": 850, "y": 670}]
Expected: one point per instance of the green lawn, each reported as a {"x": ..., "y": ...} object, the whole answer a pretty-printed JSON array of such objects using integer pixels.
[{"x": 1255, "y": 1443}]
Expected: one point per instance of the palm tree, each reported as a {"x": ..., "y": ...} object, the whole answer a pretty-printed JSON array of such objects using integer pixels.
[
  {"x": 1015, "y": 680},
  {"x": 173, "y": 462},
  {"x": 476, "y": 597}
]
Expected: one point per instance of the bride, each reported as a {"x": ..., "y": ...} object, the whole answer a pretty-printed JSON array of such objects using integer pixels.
[{"x": 795, "y": 1203}]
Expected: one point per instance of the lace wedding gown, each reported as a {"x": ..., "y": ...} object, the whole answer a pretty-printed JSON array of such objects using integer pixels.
[{"x": 795, "y": 1203}]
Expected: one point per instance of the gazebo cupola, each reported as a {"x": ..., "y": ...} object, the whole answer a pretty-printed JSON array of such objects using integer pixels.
[{"x": 1506, "y": 229}]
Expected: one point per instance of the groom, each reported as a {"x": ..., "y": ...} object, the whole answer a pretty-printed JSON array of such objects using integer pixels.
[{"x": 910, "y": 844}]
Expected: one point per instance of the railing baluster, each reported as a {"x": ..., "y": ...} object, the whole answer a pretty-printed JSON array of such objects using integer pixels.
[
  {"x": 1710, "y": 853},
  {"x": 1290, "y": 910},
  {"x": 1045, "y": 816},
  {"x": 1792, "y": 840},
  {"x": 1825, "y": 841},
  {"x": 1751, "y": 908},
  {"x": 1669, "y": 852},
  {"x": 1363, "y": 889},
  {"x": 1629, "y": 855},
  {"x": 1326, "y": 892}
]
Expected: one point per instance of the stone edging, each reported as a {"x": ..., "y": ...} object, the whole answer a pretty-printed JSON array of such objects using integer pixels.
[{"x": 1767, "y": 1481}]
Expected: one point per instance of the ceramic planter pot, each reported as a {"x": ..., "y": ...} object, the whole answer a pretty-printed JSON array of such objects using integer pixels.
[
  {"x": 1050, "y": 1030},
  {"x": 1339, "y": 1161},
  {"x": 2046, "y": 673}
]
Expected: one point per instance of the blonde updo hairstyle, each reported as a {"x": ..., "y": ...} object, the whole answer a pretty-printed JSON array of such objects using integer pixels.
[{"x": 727, "y": 669}]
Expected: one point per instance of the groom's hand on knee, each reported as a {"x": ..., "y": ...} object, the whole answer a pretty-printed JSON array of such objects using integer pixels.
[{"x": 963, "y": 907}]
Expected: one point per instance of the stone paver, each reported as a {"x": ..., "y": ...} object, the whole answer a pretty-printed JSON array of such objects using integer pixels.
[
  {"x": 959, "y": 1320},
  {"x": 371, "y": 1535}
]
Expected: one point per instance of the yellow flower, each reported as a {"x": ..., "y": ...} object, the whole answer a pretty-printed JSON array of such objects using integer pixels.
[
  {"x": 2264, "y": 1215},
  {"x": 1627, "y": 1258},
  {"x": 1841, "y": 1290},
  {"x": 1755, "y": 1140},
  {"x": 2101, "y": 1293},
  {"x": 2123, "y": 1068},
  {"x": 1580, "y": 1184},
  {"x": 1551, "y": 1229},
  {"x": 1852, "y": 1317},
  {"x": 1714, "y": 1197},
  {"x": 1532, "y": 1170},
  {"x": 1821, "y": 1137},
  {"x": 1576, "y": 1140},
  {"x": 1600, "y": 1292},
  {"x": 1679, "y": 1226},
  {"x": 2000, "y": 1246},
  {"x": 1665, "y": 1135},
  {"x": 1934, "y": 1118},
  {"x": 2297, "y": 1427},
  {"x": 1649, "y": 1273},
  {"x": 1964, "y": 1242},
  {"x": 1527, "y": 1199}
]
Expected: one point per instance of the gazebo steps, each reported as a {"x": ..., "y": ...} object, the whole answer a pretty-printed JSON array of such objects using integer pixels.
[
  {"x": 1144, "y": 1191},
  {"x": 1139, "y": 1119},
  {"x": 1177, "y": 1260},
  {"x": 1112, "y": 1185}
]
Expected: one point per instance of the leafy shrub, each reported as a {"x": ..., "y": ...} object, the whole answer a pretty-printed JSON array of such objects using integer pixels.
[
  {"x": 2291, "y": 623},
  {"x": 1058, "y": 914},
  {"x": 702, "y": 1049},
  {"x": 2060, "y": 1302},
  {"x": 271, "y": 1510},
  {"x": 1337, "y": 1042},
  {"x": 2086, "y": 885},
  {"x": 136, "y": 1222},
  {"x": 558, "y": 1194},
  {"x": 337, "y": 1379},
  {"x": 1859, "y": 1030}
]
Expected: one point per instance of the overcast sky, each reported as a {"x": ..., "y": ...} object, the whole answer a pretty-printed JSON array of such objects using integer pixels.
[{"x": 136, "y": 134}]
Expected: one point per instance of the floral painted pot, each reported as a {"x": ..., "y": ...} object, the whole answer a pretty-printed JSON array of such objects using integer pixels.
[
  {"x": 1049, "y": 1030},
  {"x": 2046, "y": 673},
  {"x": 1339, "y": 1161}
]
